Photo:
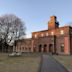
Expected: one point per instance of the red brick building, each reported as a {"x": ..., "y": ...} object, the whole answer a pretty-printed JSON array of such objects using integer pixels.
[{"x": 53, "y": 40}]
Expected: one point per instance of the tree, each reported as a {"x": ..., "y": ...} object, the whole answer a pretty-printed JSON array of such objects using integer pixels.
[{"x": 11, "y": 28}]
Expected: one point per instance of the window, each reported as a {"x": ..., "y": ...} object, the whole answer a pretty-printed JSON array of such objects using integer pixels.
[
  {"x": 42, "y": 35},
  {"x": 25, "y": 48},
  {"x": 62, "y": 47},
  {"x": 45, "y": 46},
  {"x": 35, "y": 35},
  {"x": 40, "y": 46},
  {"x": 52, "y": 33},
  {"x": 62, "y": 32},
  {"x": 46, "y": 34}
]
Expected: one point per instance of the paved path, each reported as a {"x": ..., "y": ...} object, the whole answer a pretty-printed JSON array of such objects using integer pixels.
[{"x": 51, "y": 65}]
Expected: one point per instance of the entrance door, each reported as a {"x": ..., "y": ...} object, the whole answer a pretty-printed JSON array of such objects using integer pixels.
[
  {"x": 40, "y": 48},
  {"x": 45, "y": 48}
]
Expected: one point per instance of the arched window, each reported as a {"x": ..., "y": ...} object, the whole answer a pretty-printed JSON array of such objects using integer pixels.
[
  {"x": 45, "y": 45},
  {"x": 40, "y": 46}
]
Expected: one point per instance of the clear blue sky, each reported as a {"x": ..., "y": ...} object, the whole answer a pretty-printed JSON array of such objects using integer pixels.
[{"x": 36, "y": 13}]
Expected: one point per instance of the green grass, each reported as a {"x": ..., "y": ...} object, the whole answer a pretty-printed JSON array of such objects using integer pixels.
[
  {"x": 19, "y": 64},
  {"x": 66, "y": 61}
]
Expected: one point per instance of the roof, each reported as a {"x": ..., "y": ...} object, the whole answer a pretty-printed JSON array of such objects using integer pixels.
[
  {"x": 53, "y": 29},
  {"x": 40, "y": 31},
  {"x": 27, "y": 39}
]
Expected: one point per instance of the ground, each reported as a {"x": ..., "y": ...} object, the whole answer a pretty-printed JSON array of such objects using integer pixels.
[
  {"x": 19, "y": 64},
  {"x": 66, "y": 61},
  {"x": 29, "y": 62}
]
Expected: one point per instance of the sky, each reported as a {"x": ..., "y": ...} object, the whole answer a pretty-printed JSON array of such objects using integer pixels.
[{"x": 36, "y": 13}]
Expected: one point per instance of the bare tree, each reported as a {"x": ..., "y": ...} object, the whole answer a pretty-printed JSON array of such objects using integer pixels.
[{"x": 11, "y": 29}]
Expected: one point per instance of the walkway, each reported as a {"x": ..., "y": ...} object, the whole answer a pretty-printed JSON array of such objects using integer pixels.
[{"x": 51, "y": 65}]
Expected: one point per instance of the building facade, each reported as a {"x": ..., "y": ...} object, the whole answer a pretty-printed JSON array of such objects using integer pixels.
[{"x": 55, "y": 39}]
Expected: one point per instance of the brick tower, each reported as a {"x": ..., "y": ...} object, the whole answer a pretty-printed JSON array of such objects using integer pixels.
[{"x": 53, "y": 23}]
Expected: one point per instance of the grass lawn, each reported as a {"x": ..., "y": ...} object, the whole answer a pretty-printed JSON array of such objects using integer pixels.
[
  {"x": 19, "y": 64},
  {"x": 66, "y": 61},
  {"x": 29, "y": 62}
]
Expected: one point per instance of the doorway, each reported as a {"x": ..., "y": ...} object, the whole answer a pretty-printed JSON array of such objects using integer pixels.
[
  {"x": 45, "y": 48},
  {"x": 40, "y": 48}
]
